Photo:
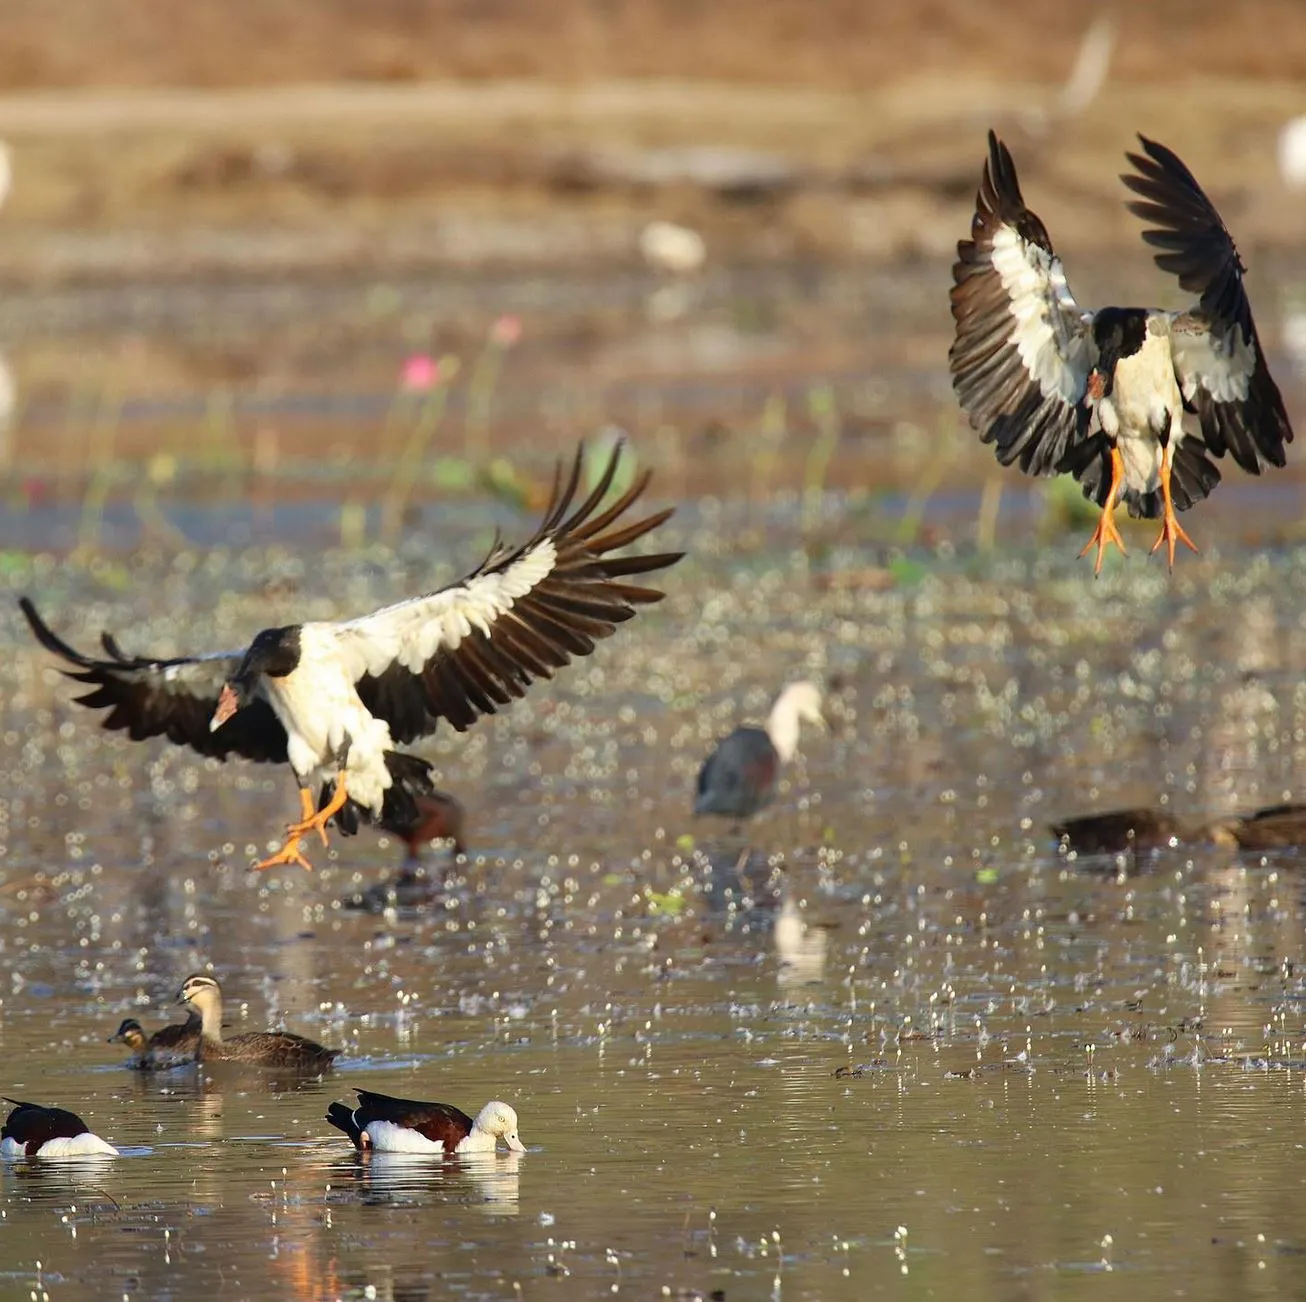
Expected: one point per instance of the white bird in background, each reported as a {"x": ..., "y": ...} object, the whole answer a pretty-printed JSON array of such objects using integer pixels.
[
  {"x": 1292, "y": 153},
  {"x": 676, "y": 250}
]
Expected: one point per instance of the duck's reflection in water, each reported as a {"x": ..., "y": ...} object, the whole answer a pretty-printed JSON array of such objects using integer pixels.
[
  {"x": 488, "y": 1181},
  {"x": 800, "y": 946}
]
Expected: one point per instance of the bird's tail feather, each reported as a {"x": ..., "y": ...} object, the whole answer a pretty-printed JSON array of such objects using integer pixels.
[
  {"x": 341, "y": 1116},
  {"x": 410, "y": 777}
]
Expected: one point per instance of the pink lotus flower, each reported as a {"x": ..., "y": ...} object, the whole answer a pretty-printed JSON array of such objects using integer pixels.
[
  {"x": 506, "y": 331},
  {"x": 419, "y": 373}
]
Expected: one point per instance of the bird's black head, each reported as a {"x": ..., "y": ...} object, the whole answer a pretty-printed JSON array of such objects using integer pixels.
[
  {"x": 1118, "y": 332},
  {"x": 129, "y": 1033},
  {"x": 274, "y": 653}
]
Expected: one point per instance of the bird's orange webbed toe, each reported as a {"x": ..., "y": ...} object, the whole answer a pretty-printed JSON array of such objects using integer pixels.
[
  {"x": 1104, "y": 535},
  {"x": 288, "y": 854}
]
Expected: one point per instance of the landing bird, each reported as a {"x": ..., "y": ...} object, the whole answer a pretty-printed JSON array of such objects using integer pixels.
[
  {"x": 334, "y": 699},
  {"x": 1102, "y": 395},
  {"x": 741, "y": 775}
]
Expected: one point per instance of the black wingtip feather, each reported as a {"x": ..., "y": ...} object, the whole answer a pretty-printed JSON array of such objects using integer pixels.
[{"x": 46, "y": 636}]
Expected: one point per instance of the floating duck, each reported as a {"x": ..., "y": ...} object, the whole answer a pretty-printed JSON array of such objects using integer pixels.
[
  {"x": 388, "y": 1125},
  {"x": 1102, "y": 395},
  {"x": 1122, "y": 831},
  {"x": 337, "y": 697},
  {"x": 740, "y": 776},
  {"x": 170, "y": 1046},
  {"x": 31, "y": 1130},
  {"x": 255, "y": 1048}
]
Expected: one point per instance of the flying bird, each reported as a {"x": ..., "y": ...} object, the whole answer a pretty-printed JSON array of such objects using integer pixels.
[
  {"x": 334, "y": 699},
  {"x": 741, "y": 774},
  {"x": 389, "y": 1125},
  {"x": 1102, "y": 395}
]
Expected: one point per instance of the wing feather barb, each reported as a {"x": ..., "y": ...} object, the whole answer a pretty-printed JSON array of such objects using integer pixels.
[
  {"x": 1219, "y": 361},
  {"x": 471, "y": 648},
  {"x": 173, "y": 698}
]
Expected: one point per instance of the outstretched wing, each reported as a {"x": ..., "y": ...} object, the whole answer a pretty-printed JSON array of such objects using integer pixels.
[
  {"x": 173, "y": 698},
  {"x": 1024, "y": 348},
  {"x": 477, "y": 645},
  {"x": 1218, "y": 357}
]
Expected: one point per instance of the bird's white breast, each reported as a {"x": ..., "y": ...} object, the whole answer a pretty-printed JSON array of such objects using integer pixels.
[
  {"x": 320, "y": 710},
  {"x": 1144, "y": 401},
  {"x": 1146, "y": 394},
  {"x": 387, "y": 1137}
]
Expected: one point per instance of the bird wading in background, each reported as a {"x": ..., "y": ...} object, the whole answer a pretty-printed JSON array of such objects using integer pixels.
[{"x": 741, "y": 774}]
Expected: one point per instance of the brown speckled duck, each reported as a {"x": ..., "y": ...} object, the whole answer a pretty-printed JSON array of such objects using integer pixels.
[
  {"x": 277, "y": 1049},
  {"x": 172, "y": 1046}
]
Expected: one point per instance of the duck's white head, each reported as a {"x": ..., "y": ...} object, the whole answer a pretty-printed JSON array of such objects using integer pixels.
[
  {"x": 499, "y": 1120},
  {"x": 798, "y": 703}
]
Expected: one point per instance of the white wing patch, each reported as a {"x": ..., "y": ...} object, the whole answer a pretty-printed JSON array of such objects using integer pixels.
[
  {"x": 387, "y": 1137},
  {"x": 411, "y": 632},
  {"x": 62, "y": 1147},
  {"x": 1223, "y": 365},
  {"x": 1048, "y": 332}
]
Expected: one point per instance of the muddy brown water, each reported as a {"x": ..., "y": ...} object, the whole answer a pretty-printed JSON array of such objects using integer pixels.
[
  {"x": 907, "y": 1049},
  {"x": 893, "y": 1044}
]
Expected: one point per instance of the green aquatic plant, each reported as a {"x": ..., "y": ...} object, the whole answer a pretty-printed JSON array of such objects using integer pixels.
[
  {"x": 100, "y": 440},
  {"x": 504, "y": 335},
  {"x": 824, "y": 412},
  {"x": 428, "y": 382}
]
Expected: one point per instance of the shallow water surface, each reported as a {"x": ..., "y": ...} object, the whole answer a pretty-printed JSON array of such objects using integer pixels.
[{"x": 900, "y": 1045}]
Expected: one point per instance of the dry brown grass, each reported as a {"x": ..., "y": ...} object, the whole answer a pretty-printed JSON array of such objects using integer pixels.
[
  {"x": 152, "y": 137},
  {"x": 846, "y": 43}
]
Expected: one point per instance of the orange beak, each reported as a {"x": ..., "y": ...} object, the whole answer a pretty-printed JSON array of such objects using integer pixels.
[{"x": 228, "y": 704}]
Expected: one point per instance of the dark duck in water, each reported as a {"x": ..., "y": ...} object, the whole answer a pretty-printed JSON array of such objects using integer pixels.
[
  {"x": 279, "y": 1049},
  {"x": 170, "y": 1046},
  {"x": 31, "y": 1130}
]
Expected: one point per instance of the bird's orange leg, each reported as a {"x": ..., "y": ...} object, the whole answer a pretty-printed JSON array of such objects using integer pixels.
[
  {"x": 1106, "y": 532},
  {"x": 317, "y": 821},
  {"x": 1171, "y": 530}
]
